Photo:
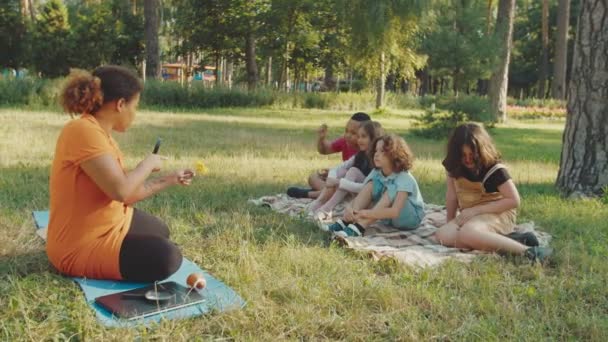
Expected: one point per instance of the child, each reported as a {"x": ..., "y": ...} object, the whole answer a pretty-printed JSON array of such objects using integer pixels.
[
  {"x": 482, "y": 189},
  {"x": 347, "y": 145},
  {"x": 348, "y": 177},
  {"x": 390, "y": 188}
]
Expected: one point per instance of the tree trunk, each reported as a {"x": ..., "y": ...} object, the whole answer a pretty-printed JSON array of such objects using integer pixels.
[
  {"x": 328, "y": 80},
  {"x": 425, "y": 83},
  {"x": 584, "y": 160},
  {"x": 269, "y": 71},
  {"x": 488, "y": 18},
  {"x": 151, "y": 36},
  {"x": 380, "y": 85},
  {"x": 250, "y": 63},
  {"x": 558, "y": 91},
  {"x": 544, "y": 60},
  {"x": 25, "y": 8},
  {"x": 499, "y": 81}
]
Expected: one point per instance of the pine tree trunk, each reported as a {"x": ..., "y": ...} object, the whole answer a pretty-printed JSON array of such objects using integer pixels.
[
  {"x": 25, "y": 8},
  {"x": 558, "y": 90},
  {"x": 251, "y": 65},
  {"x": 499, "y": 81},
  {"x": 269, "y": 71},
  {"x": 584, "y": 159},
  {"x": 151, "y": 36},
  {"x": 381, "y": 80},
  {"x": 544, "y": 60},
  {"x": 328, "y": 79}
]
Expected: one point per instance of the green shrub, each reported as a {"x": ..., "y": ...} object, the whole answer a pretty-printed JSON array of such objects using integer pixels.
[
  {"x": 476, "y": 108},
  {"x": 534, "y": 102},
  {"x": 316, "y": 100},
  {"x": 32, "y": 92},
  {"x": 438, "y": 124},
  {"x": 173, "y": 94}
]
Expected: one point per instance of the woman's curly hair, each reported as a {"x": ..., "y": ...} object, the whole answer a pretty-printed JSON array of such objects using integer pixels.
[
  {"x": 397, "y": 151},
  {"x": 85, "y": 92}
]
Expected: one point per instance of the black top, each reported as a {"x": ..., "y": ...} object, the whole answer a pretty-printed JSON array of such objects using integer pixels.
[
  {"x": 363, "y": 163},
  {"x": 498, "y": 178}
]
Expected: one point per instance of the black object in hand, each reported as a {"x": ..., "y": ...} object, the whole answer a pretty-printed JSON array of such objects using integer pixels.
[{"x": 157, "y": 146}]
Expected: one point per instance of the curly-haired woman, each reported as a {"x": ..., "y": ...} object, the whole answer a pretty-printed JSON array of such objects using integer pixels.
[
  {"x": 94, "y": 231},
  {"x": 391, "y": 193}
]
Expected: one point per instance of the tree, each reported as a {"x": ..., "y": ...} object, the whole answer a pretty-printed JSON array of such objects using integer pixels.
[
  {"x": 558, "y": 89},
  {"x": 151, "y": 25},
  {"x": 454, "y": 44},
  {"x": 544, "y": 59},
  {"x": 584, "y": 159},
  {"x": 500, "y": 78},
  {"x": 94, "y": 34},
  {"x": 13, "y": 34},
  {"x": 383, "y": 36},
  {"x": 52, "y": 48}
]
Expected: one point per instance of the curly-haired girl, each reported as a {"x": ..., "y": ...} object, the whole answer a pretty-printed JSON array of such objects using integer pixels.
[{"x": 391, "y": 193}]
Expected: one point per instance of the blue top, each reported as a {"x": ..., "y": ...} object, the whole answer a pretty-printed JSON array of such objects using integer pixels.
[{"x": 394, "y": 183}]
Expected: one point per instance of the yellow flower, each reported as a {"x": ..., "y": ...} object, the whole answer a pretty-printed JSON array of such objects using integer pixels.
[{"x": 201, "y": 168}]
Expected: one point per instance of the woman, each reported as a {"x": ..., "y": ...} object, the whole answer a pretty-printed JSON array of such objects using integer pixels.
[{"x": 94, "y": 231}]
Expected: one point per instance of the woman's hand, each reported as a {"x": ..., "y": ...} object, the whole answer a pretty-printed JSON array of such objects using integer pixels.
[
  {"x": 183, "y": 177},
  {"x": 465, "y": 215},
  {"x": 154, "y": 161}
]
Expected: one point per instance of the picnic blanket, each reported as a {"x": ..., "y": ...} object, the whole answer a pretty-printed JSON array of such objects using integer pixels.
[{"x": 417, "y": 247}]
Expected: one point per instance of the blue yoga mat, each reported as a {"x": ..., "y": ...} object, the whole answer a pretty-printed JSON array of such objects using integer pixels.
[{"x": 218, "y": 296}]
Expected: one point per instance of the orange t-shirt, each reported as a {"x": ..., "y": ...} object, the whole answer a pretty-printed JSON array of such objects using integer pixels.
[{"x": 86, "y": 227}]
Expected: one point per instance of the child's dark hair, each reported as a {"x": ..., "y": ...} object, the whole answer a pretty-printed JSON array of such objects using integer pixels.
[
  {"x": 397, "y": 150},
  {"x": 86, "y": 92},
  {"x": 374, "y": 130},
  {"x": 475, "y": 136},
  {"x": 360, "y": 117}
]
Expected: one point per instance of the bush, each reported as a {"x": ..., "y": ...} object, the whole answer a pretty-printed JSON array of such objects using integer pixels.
[
  {"x": 172, "y": 94},
  {"x": 476, "y": 108},
  {"x": 32, "y": 92},
  {"x": 533, "y": 102},
  {"x": 438, "y": 124},
  {"x": 316, "y": 100}
]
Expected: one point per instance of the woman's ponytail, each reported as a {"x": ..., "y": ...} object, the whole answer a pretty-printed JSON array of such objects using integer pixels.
[{"x": 82, "y": 93}]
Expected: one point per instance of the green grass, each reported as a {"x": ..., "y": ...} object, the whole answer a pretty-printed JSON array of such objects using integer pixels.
[{"x": 298, "y": 286}]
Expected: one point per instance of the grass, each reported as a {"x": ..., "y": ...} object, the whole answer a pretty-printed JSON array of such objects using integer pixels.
[{"x": 297, "y": 285}]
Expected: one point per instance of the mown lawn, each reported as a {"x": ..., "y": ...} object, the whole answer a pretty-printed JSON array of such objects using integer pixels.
[{"x": 296, "y": 284}]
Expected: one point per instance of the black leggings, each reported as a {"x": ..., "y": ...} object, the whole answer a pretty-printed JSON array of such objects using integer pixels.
[{"x": 147, "y": 254}]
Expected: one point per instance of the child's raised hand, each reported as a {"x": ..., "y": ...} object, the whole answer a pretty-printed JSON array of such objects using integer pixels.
[{"x": 322, "y": 131}]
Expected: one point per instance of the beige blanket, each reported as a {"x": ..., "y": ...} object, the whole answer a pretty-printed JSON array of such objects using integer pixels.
[{"x": 416, "y": 248}]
